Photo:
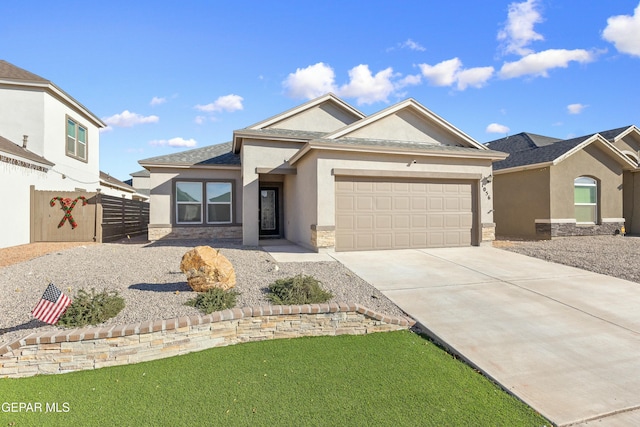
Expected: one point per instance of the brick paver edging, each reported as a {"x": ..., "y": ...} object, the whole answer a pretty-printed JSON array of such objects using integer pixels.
[{"x": 69, "y": 350}]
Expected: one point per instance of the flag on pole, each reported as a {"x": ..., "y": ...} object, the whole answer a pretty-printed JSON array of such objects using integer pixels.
[{"x": 51, "y": 306}]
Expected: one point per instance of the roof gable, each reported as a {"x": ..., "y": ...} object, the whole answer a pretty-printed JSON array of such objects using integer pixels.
[
  {"x": 523, "y": 151},
  {"x": 323, "y": 114},
  {"x": 407, "y": 121}
]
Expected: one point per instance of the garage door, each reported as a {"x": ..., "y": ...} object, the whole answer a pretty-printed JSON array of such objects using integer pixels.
[{"x": 393, "y": 213}]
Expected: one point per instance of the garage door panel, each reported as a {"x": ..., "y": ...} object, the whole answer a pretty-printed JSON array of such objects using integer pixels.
[
  {"x": 401, "y": 203},
  {"x": 402, "y": 240},
  {"x": 384, "y": 203},
  {"x": 364, "y": 223},
  {"x": 395, "y": 213},
  {"x": 384, "y": 222},
  {"x": 344, "y": 203}
]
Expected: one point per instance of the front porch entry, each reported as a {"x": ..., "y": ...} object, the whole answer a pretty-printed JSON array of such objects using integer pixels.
[{"x": 269, "y": 211}]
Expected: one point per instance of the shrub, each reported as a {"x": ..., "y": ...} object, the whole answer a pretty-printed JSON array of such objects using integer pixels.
[
  {"x": 92, "y": 308},
  {"x": 298, "y": 290},
  {"x": 214, "y": 299}
]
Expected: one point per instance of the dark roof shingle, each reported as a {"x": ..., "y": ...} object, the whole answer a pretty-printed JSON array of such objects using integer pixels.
[
  {"x": 11, "y": 72},
  {"x": 218, "y": 154}
]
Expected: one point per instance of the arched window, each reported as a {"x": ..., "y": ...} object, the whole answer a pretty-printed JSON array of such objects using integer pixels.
[{"x": 586, "y": 200}]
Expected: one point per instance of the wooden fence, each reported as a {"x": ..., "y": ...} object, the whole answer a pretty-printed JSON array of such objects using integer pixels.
[
  {"x": 56, "y": 218},
  {"x": 122, "y": 217}
]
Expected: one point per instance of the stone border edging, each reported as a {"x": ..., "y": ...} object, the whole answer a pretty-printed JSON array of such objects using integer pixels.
[{"x": 185, "y": 334}]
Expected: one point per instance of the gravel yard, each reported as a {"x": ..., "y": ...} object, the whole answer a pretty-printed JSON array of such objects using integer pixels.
[
  {"x": 615, "y": 256},
  {"x": 148, "y": 276}
]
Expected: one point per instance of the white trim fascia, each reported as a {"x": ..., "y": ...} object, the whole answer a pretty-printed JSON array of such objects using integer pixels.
[
  {"x": 624, "y": 160},
  {"x": 27, "y": 160},
  {"x": 522, "y": 168},
  {"x": 626, "y": 132},
  {"x": 300, "y": 108},
  {"x": 613, "y": 220},
  {"x": 407, "y": 103},
  {"x": 249, "y": 134},
  {"x": 388, "y": 150},
  {"x": 188, "y": 166}
]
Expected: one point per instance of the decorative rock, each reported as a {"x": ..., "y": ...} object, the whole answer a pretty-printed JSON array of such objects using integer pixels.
[{"x": 206, "y": 268}]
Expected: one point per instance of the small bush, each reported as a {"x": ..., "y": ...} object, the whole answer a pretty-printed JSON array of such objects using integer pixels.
[
  {"x": 297, "y": 290},
  {"x": 214, "y": 299},
  {"x": 92, "y": 308}
]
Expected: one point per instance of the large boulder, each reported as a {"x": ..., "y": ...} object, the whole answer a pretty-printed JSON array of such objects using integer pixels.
[{"x": 206, "y": 268}]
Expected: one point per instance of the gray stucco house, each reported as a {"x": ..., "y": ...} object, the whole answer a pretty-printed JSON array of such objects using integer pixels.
[
  {"x": 325, "y": 176},
  {"x": 550, "y": 187}
]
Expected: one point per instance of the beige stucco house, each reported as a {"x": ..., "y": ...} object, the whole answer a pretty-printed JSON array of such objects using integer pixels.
[
  {"x": 325, "y": 176},
  {"x": 549, "y": 187}
]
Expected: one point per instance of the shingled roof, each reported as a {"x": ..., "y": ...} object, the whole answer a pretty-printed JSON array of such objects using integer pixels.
[
  {"x": 6, "y": 146},
  {"x": 214, "y": 155},
  {"x": 530, "y": 149},
  {"x": 11, "y": 72}
]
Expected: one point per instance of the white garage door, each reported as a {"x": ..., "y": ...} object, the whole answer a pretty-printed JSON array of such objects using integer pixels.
[{"x": 391, "y": 213}]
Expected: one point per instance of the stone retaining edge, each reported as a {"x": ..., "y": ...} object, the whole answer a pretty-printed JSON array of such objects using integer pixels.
[{"x": 39, "y": 346}]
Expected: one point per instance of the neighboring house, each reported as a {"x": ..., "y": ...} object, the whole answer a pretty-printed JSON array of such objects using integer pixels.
[
  {"x": 140, "y": 182},
  {"x": 549, "y": 187},
  {"x": 47, "y": 140},
  {"x": 325, "y": 176},
  {"x": 114, "y": 187}
]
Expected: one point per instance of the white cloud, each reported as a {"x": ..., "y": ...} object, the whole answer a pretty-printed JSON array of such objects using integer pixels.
[
  {"x": 474, "y": 77},
  {"x": 366, "y": 87},
  {"x": 310, "y": 82},
  {"x": 624, "y": 32},
  {"x": 497, "y": 128},
  {"x": 157, "y": 101},
  {"x": 450, "y": 72},
  {"x": 228, "y": 103},
  {"x": 200, "y": 120},
  {"x": 410, "y": 80},
  {"x": 576, "y": 108},
  {"x": 518, "y": 31},
  {"x": 174, "y": 142},
  {"x": 128, "y": 119},
  {"x": 538, "y": 64},
  {"x": 410, "y": 44},
  {"x": 443, "y": 73}
]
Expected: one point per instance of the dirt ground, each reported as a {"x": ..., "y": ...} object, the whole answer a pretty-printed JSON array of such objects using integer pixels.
[{"x": 16, "y": 254}]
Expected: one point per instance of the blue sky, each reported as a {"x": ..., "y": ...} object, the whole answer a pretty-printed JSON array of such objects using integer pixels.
[{"x": 173, "y": 75}]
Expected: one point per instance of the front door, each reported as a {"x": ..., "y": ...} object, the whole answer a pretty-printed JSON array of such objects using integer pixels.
[{"x": 269, "y": 212}]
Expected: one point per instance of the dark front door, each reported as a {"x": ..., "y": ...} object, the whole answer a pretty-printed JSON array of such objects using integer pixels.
[{"x": 269, "y": 212}]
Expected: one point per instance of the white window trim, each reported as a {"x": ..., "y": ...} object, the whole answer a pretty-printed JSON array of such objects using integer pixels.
[
  {"x": 75, "y": 139},
  {"x": 178, "y": 203},
  {"x": 204, "y": 203},
  {"x": 230, "y": 202},
  {"x": 595, "y": 204}
]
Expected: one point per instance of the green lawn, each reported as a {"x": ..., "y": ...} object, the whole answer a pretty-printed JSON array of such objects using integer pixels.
[{"x": 384, "y": 379}]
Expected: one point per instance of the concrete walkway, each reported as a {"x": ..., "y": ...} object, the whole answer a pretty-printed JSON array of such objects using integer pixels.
[{"x": 564, "y": 340}]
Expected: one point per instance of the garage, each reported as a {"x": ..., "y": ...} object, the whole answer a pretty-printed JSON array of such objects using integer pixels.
[{"x": 392, "y": 213}]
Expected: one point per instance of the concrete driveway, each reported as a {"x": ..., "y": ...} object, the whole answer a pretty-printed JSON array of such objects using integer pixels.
[{"x": 564, "y": 340}]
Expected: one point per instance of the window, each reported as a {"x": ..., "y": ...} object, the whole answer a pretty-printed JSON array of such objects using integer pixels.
[
  {"x": 76, "y": 140},
  {"x": 218, "y": 202},
  {"x": 585, "y": 199},
  {"x": 189, "y": 198}
]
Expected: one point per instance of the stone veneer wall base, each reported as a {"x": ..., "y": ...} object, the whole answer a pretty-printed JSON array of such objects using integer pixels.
[{"x": 68, "y": 350}]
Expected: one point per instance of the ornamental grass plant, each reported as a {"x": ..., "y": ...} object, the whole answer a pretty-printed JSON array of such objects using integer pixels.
[
  {"x": 298, "y": 290},
  {"x": 91, "y": 308}
]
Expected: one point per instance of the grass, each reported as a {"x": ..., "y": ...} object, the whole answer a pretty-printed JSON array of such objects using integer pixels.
[{"x": 384, "y": 379}]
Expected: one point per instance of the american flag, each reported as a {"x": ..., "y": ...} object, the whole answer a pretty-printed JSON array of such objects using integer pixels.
[{"x": 51, "y": 306}]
